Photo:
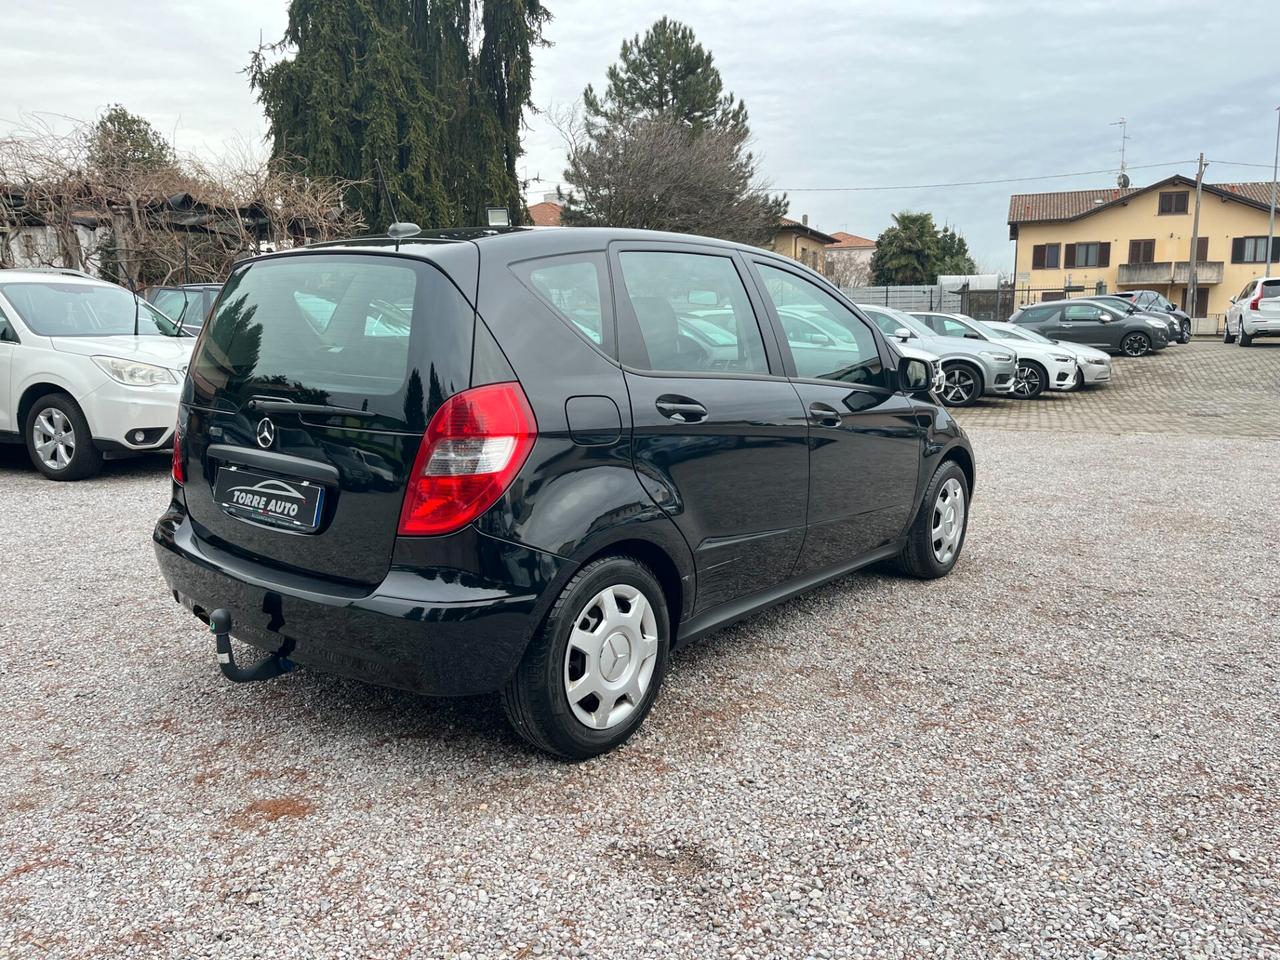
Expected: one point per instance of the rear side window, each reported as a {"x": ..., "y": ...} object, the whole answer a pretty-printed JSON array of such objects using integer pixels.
[
  {"x": 571, "y": 286},
  {"x": 692, "y": 314},
  {"x": 844, "y": 348},
  {"x": 387, "y": 335}
]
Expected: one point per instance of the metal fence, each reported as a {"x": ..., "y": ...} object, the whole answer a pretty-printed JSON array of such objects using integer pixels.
[{"x": 906, "y": 298}]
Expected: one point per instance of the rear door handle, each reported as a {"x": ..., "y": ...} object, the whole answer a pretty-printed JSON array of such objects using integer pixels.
[
  {"x": 680, "y": 409},
  {"x": 824, "y": 414}
]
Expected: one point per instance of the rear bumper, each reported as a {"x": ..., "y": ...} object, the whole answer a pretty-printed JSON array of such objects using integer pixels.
[
  {"x": 440, "y": 632},
  {"x": 1261, "y": 328}
]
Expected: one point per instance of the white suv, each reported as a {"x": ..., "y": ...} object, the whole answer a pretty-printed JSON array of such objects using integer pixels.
[
  {"x": 87, "y": 370},
  {"x": 1255, "y": 312}
]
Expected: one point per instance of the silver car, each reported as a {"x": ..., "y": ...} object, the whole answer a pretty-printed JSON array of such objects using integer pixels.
[{"x": 971, "y": 368}]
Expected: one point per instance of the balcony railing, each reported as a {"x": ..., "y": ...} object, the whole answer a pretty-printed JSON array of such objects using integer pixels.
[{"x": 1164, "y": 272}]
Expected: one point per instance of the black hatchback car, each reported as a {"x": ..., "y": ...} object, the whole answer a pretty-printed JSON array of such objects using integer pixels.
[{"x": 497, "y": 461}]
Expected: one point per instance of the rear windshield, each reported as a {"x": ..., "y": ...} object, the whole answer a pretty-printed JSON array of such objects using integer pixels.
[
  {"x": 53, "y": 309},
  {"x": 388, "y": 335},
  {"x": 1270, "y": 288}
]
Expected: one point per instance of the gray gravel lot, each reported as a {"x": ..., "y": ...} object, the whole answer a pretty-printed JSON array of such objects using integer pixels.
[{"x": 1069, "y": 748}]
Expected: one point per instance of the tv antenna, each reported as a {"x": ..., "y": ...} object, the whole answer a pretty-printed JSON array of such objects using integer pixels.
[{"x": 1122, "y": 181}]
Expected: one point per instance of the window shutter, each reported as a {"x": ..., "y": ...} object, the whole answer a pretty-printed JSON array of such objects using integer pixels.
[
  {"x": 1237, "y": 250},
  {"x": 1202, "y": 249},
  {"x": 1037, "y": 257},
  {"x": 1135, "y": 251},
  {"x": 1069, "y": 259},
  {"x": 1104, "y": 254}
]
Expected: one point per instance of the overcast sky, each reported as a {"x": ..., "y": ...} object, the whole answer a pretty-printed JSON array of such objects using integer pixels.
[{"x": 846, "y": 93}]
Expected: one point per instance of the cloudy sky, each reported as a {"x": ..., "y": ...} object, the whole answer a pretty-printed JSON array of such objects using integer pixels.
[{"x": 841, "y": 93}]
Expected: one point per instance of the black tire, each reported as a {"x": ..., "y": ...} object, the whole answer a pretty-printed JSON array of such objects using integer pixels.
[
  {"x": 535, "y": 699},
  {"x": 1185, "y": 332},
  {"x": 1135, "y": 344},
  {"x": 1037, "y": 378},
  {"x": 1227, "y": 335},
  {"x": 1245, "y": 338},
  {"x": 917, "y": 558},
  {"x": 961, "y": 377},
  {"x": 85, "y": 459},
  {"x": 1078, "y": 382}
]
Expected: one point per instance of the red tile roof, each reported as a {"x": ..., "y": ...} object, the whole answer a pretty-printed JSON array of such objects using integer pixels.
[
  {"x": 1074, "y": 204},
  {"x": 850, "y": 241},
  {"x": 545, "y": 214},
  {"x": 786, "y": 223}
]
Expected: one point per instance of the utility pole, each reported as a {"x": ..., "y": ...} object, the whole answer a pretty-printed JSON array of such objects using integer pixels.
[
  {"x": 1195, "y": 242},
  {"x": 1271, "y": 220}
]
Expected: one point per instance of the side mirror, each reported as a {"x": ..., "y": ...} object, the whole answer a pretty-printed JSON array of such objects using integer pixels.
[
  {"x": 902, "y": 333},
  {"x": 914, "y": 375}
]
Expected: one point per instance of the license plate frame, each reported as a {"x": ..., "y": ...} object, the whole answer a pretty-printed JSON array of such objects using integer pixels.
[{"x": 268, "y": 499}]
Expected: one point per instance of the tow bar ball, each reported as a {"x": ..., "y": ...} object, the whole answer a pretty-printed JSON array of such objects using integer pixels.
[{"x": 266, "y": 669}]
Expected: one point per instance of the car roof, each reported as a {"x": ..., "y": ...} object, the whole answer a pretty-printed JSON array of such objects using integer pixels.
[
  {"x": 19, "y": 275},
  {"x": 536, "y": 238}
]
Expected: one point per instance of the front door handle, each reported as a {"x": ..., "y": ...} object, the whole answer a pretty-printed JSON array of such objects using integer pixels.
[
  {"x": 680, "y": 409},
  {"x": 824, "y": 414}
]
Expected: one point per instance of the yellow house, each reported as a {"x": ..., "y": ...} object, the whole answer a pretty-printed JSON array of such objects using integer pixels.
[
  {"x": 1081, "y": 242},
  {"x": 799, "y": 241}
]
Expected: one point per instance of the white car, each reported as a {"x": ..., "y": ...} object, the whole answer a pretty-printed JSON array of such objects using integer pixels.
[
  {"x": 1093, "y": 366},
  {"x": 1040, "y": 367},
  {"x": 1255, "y": 312},
  {"x": 87, "y": 371}
]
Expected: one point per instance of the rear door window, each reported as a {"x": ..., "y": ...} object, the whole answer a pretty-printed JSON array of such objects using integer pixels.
[
  {"x": 387, "y": 335},
  {"x": 572, "y": 286},
  {"x": 692, "y": 314}
]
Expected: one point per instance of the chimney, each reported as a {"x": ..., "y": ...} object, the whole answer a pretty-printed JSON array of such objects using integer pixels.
[{"x": 804, "y": 219}]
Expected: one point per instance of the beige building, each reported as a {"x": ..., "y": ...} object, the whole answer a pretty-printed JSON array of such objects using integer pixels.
[
  {"x": 799, "y": 241},
  {"x": 1088, "y": 241}
]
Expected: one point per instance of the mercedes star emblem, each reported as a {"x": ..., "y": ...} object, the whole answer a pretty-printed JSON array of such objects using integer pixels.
[{"x": 266, "y": 433}]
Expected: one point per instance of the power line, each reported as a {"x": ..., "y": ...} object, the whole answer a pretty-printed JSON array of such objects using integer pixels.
[
  {"x": 977, "y": 183},
  {"x": 1236, "y": 163}
]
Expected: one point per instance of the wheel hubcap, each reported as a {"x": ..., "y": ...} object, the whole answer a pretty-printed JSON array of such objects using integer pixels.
[
  {"x": 958, "y": 386},
  {"x": 1134, "y": 346},
  {"x": 948, "y": 521},
  {"x": 54, "y": 438},
  {"x": 612, "y": 651}
]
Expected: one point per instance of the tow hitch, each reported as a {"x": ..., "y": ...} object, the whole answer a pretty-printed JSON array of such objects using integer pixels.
[{"x": 272, "y": 666}]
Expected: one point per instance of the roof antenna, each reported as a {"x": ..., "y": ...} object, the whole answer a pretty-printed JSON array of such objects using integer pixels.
[
  {"x": 397, "y": 231},
  {"x": 1122, "y": 181}
]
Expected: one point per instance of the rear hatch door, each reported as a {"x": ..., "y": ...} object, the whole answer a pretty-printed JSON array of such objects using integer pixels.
[{"x": 309, "y": 394}]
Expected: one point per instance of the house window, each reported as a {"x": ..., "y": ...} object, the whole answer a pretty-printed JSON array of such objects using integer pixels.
[
  {"x": 1088, "y": 255},
  {"x": 1202, "y": 249},
  {"x": 1142, "y": 251},
  {"x": 1044, "y": 256},
  {"x": 1173, "y": 202},
  {"x": 1253, "y": 250}
]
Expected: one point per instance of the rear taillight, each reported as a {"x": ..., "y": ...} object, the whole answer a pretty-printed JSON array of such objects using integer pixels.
[
  {"x": 1257, "y": 298},
  {"x": 179, "y": 471},
  {"x": 473, "y": 448}
]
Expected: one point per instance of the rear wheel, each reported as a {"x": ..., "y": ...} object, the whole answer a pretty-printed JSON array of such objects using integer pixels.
[
  {"x": 1135, "y": 344},
  {"x": 1246, "y": 338},
  {"x": 593, "y": 670},
  {"x": 1227, "y": 335},
  {"x": 937, "y": 536},
  {"x": 58, "y": 439},
  {"x": 1029, "y": 380},
  {"x": 962, "y": 385}
]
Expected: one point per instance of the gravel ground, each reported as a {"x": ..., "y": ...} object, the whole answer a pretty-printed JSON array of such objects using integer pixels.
[{"x": 1069, "y": 748}]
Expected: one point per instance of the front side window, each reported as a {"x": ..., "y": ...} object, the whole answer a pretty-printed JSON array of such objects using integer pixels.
[
  {"x": 1077, "y": 312},
  {"x": 846, "y": 348},
  {"x": 6, "y": 330},
  {"x": 53, "y": 309},
  {"x": 946, "y": 327},
  {"x": 692, "y": 315}
]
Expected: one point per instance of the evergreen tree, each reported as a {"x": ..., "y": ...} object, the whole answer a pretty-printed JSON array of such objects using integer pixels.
[
  {"x": 907, "y": 252},
  {"x": 666, "y": 73},
  {"x": 124, "y": 144},
  {"x": 953, "y": 255},
  {"x": 432, "y": 92}
]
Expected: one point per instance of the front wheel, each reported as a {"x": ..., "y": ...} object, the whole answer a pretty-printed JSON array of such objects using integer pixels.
[
  {"x": 593, "y": 670},
  {"x": 937, "y": 536},
  {"x": 58, "y": 439},
  {"x": 961, "y": 386},
  {"x": 1029, "y": 380},
  {"x": 1185, "y": 332},
  {"x": 1136, "y": 344}
]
